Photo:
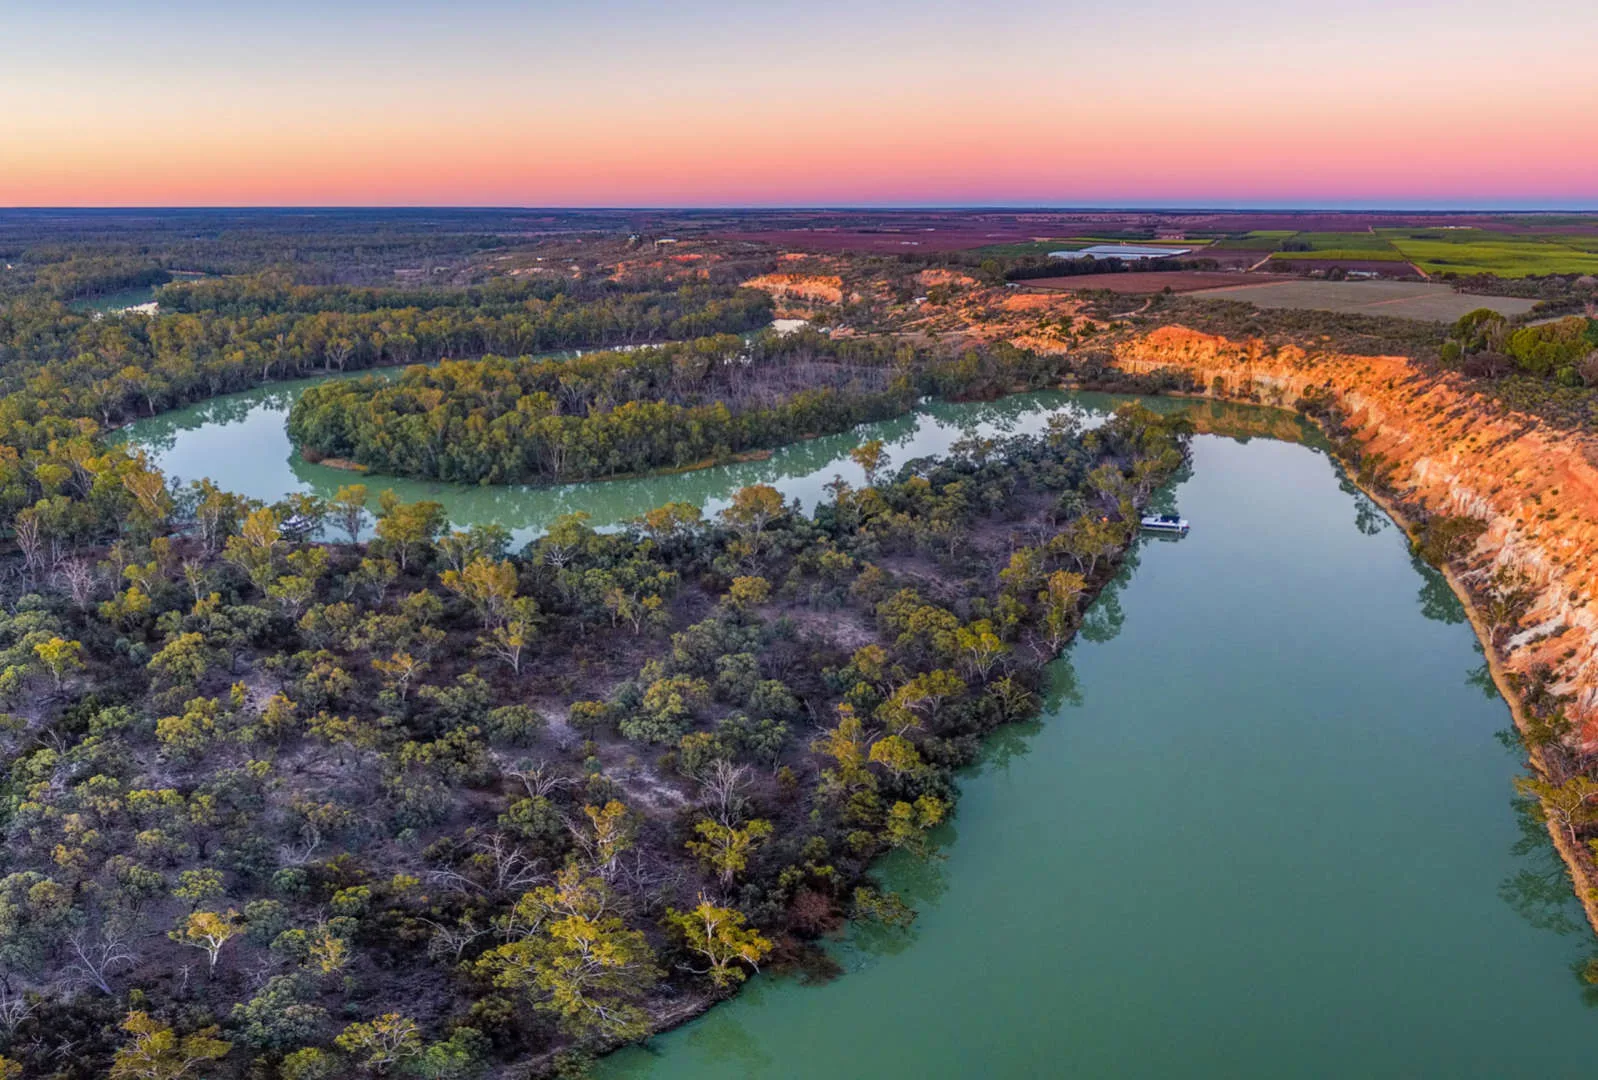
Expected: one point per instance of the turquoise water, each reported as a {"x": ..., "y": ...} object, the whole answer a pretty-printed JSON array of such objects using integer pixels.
[
  {"x": 1263, "y": 830},
  {"x": 120, "y": 300},
  {"x": 239, "y": 441}
]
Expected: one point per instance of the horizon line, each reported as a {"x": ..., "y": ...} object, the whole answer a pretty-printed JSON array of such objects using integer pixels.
[{"x": 1099, "y": 207}]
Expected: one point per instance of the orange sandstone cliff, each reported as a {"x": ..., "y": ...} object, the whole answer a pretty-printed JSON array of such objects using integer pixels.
[
  {"x": 804, "y": 288},
  {"x": 1447, "y": 450}
]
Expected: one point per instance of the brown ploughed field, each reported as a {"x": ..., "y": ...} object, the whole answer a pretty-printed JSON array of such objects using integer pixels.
[
  {"x": 1385, "y": 267},
  {"x": 947, "y": 238},
  {"x": 1423, "y": 300},
  {"x": 1151, "y": 281},
  {"x": 1231, "y": 258}
]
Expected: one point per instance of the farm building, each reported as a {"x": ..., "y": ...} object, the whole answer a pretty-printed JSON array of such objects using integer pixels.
[{"x": 1124, "y": 252}]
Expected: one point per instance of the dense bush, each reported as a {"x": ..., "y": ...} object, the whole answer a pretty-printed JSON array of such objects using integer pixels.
[{"x": 498, "y": 420}]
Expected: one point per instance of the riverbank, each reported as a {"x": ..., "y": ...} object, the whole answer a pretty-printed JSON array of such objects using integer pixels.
[
  {"x": 1583, "y": 873},
  {"x": 1428, "y": 444},
  {"x": 1310, "y": 853},
  {"x": 1380, "y": 711},
  {"x": 346, "y": 465}
]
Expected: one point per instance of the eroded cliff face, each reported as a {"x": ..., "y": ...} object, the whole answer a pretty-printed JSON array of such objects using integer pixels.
[
  {"x": 801, "y": 288},
  {"x": 1450, "y": 451}
]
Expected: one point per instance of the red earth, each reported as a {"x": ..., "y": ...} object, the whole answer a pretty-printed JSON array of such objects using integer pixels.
[
  {"x": 1385, "y": 267},
  {"x": 899, "y": 231},
  {"x": 1151, "y": 281},
  {"x": 952, "y": 237},
  {"x": 1230, "y": 258}
]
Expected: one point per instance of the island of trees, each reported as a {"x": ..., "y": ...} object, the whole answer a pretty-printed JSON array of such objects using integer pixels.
[{"x": 602, "y": 415}]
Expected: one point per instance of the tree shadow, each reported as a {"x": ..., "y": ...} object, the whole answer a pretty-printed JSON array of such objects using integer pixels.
[
  {"x": 1437, "y": 600},
  {"x": 1539, "y": 891},
  {"x": 1368, "y": 517}
]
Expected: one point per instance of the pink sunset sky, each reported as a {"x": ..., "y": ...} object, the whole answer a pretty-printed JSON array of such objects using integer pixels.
[{"x": 617, "y": 102}]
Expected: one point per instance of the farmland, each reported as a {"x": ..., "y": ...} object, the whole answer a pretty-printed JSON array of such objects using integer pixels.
[
  {"x": 1337, "y": 247},
  {"x": 1261, "y": 240},
  {"x": 1226, "y": 254},
  {"x": 1383, "y": 254},
  {"x": 1076, "y": 243},
  {"x": 1025, "y": 248},
  {"x": 1398, "y": 299},
  {"x": 1508, "y": 246},
  {"x": 1137, "y": 283},
  {"x": 1439, "y": 249},
  {"x": 1544, "y": 243},
  {"x": 1478, "y": 251}
]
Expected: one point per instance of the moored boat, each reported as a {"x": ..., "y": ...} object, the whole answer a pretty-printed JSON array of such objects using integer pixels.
[{"x": 1166, "y": 523}]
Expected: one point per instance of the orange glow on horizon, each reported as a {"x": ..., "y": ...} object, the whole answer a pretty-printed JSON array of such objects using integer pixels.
[{"x": 1041, "y": 104}]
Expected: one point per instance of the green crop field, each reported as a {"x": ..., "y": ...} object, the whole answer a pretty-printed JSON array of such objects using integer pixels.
[
  {"x": 1344, "y": 241},
  {"x": 1144, "y": 241},
  {"x": 1351, "y": 254},
  {"x": 1024, "y": 248},
  {"x": 1479, "y": 251},
  {"x": 1260, "y": 240},
  {"x": 1436, "y": 250}
]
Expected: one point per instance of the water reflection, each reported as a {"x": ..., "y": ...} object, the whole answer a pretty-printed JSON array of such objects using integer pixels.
[
  {"x": 919, "y": 882},
  {"x": 1389, "y": 921},
  {"x": 729, "y": 1042},
  {"x": 1369, "y": 518},
  {"x": 718, "y": 1038},
  {"x": 1106, "y": 617},
  {"x": 1539, "y": 891},
  {"x": 240, "y": 443},
  {"x": 1004, "y": 745},
  {"x": 1437, "y": 599}
]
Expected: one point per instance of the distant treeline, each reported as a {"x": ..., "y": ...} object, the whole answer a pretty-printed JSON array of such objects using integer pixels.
[
  {"x": 276, "y": 293},
  {"x": 79, "y": 277},
  {"x": 1032, "y": 267},
  {"x": 111, "y": 370},
  {"x": 317, "y": 247}
]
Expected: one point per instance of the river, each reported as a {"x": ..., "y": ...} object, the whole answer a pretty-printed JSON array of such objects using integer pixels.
[
  {"x": 239, "y": 441},
  {"x": 1264, "y": 828}
]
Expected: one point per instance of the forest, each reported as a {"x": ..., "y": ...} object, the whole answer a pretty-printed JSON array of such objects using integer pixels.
[
  {"x": 276, "y": 806},
  {"x": 419, "y": 805},
  {"x": 1485, "y": 343},
  {"x": 602, "y": 415},
  {"x": 1547, "y": 368},
  {"x": 62, "y": 254}
]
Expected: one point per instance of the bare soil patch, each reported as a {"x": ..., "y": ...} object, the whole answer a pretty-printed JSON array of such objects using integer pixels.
[
  {"x": 1422, "y": 300},
  {"x": 1137, "y": 283},
  {"x": 951, "y": 237},
  {"x": 1231, "y": 258},
  {"x": 1387, "y": 268}
]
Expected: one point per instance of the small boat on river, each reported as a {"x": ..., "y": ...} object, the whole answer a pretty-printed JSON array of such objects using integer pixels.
[{"x": 1166, "y": 523}]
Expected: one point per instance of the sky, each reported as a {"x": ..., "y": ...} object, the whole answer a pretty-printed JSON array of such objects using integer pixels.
[{"x": 1399, "y": 103}]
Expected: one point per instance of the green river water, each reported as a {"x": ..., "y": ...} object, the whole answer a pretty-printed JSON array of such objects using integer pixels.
[{"x": 1264, "y": 828}]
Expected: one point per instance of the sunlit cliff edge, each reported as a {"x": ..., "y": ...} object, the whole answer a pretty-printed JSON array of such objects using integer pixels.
[{"x": 1444, "y": 449}]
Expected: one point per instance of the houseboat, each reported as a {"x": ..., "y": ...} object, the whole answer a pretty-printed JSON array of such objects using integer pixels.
[{"x": 1165, "y": 523}]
